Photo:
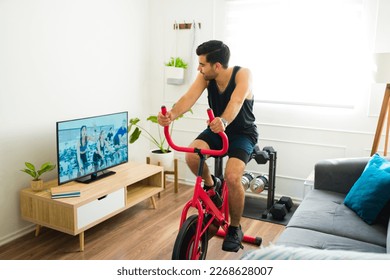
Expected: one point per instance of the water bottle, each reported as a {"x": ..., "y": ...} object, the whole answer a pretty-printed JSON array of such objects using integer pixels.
[
  {"x": 259, "y": 183},
  {"x": 246, "y": 179}
]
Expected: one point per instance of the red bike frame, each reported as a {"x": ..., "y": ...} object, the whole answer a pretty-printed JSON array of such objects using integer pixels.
[{"x": 201, "y": 199}]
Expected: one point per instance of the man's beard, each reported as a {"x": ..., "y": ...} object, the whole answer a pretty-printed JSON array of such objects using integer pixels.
[{"x": 208, "y": 77}]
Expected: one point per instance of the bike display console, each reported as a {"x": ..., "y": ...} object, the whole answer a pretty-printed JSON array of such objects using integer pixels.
[{"x": 98, "y": 201}]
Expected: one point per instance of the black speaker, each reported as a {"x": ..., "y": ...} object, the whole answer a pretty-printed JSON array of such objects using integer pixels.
[
  {"x": 287, "y": 201},
  {"x": 278, "y": 211}
]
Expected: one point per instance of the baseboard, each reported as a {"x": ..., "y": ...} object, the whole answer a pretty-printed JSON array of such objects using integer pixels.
[{"x": 10, "y": 237}]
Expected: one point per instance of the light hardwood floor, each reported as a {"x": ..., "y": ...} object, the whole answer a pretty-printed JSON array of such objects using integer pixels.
[{"x": 139, "y": 233}]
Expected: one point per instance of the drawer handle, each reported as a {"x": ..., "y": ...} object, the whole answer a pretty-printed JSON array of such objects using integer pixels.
[{"x": 103, "y": 197}]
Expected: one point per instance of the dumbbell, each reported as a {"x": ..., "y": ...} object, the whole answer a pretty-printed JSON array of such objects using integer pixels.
[
  {"x": 261, "y": 157},
  {"x": 287, "y": 201},
  {"x": 278, "y": 211},
  {"x": 280, "y": 208},
  {"x": 269, "y": 149}
]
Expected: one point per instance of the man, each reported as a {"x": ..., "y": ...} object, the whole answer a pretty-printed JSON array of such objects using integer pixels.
[{"x": 230, "y": 96}]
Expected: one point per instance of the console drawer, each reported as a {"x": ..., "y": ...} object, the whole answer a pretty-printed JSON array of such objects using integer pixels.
[{"x": 99, "y": 208}]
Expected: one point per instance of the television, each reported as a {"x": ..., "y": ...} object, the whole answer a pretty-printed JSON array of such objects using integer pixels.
[{"x": 88, "y": 147}]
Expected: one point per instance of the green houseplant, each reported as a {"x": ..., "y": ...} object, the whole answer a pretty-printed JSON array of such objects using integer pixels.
[
  {"x": 174, "y": 70},
  {"x": 135, "y": 130},
  {"x": 176, "y": 62},
  {"x": 37, "y": 182}
]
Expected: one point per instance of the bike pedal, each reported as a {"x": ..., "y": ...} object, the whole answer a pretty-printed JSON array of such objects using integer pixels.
[{"x": 235, "y": 250}]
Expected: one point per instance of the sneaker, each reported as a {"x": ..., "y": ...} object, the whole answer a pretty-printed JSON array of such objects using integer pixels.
[
  {"x": 215, "y": 196},
  {"x": 217, "y": 183},
  {"x": 233, "y": 238}
]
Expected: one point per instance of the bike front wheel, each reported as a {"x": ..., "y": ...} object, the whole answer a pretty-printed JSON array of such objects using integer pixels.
[{"x": 185, "y": 241}]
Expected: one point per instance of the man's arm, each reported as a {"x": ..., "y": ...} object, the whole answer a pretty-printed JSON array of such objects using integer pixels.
[{"x": 185, "y": 103}]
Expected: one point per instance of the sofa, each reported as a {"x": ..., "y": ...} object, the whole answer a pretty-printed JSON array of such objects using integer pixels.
[{"x": 323, "y": 220}]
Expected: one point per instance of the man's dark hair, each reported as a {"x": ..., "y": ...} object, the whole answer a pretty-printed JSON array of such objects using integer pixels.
[{"x": 215, "y": 51}]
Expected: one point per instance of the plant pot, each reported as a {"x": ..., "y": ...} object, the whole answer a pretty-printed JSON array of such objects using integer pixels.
[
  {"x": 174, "y": 75},
  {"x": 37, "y": 185},
  {"x": 165, "y": 159}
]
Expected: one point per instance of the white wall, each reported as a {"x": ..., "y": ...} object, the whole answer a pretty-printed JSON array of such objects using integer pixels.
[
  {"x": 69, "y": 59},
  {"x": 302, "y": 135},
  {"x": 61, "y": 60}
]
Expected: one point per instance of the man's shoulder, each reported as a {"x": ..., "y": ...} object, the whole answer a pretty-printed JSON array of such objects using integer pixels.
[
  {"x": 241, "y": 68},
  {"x": 242, "y": 72}
]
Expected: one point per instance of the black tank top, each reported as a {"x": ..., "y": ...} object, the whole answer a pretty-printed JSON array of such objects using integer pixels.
[{"x": 244, "y": 123}]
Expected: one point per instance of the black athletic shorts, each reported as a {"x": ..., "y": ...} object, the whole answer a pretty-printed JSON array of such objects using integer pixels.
[{"x": 240, "y": 146}]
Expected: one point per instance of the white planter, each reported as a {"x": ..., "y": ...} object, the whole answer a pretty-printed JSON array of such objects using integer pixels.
[
  {"x": 174, "y": 75},
  {"x": 165, "y": 159}
]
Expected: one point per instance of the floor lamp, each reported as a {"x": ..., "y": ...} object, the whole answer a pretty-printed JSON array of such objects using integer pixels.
[{"x": 382, "y": 75}]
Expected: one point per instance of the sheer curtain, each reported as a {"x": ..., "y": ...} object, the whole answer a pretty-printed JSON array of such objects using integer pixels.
[{"x": 312, "y": 52}]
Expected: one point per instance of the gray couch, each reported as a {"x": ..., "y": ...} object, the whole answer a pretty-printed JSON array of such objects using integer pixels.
[{"x": 322, "y": 221}]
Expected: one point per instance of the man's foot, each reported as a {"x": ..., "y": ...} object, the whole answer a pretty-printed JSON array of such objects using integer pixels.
[
  {"x": 233, "y": 238},
  {"x": 217, "y": 183}
]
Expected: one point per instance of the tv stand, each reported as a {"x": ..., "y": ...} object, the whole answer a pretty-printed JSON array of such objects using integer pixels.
[
  {"x": 95, "y": 176},
  {"x": 99, "y": 200}
]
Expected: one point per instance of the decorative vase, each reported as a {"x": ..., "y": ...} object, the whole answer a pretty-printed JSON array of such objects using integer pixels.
[
  {"x": 165, "y": 159},
  {"x": 174, "y": 75},
  {"x": 37, "y": 185}
]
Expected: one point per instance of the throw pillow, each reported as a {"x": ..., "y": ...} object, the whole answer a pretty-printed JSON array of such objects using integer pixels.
[{"x": 371, "y": 191}]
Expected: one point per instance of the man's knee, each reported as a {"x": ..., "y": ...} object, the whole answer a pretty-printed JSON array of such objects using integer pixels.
[
  {"x": 233, "y": 172},
  {"x": 191, "y": 159},
  {"x": 233, "y": 178}
]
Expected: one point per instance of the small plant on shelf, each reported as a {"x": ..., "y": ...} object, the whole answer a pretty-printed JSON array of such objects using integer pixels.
[
  {"x": 37, "y": 182},
  {"x": 174, "y": 70},
  {"x": 177, "y": 62}
]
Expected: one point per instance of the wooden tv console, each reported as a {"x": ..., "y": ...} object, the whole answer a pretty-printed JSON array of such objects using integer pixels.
[{"x": 99, "y": 200}]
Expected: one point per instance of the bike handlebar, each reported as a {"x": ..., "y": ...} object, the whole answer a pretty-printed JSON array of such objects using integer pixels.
[{"x": 221, "y": 152}]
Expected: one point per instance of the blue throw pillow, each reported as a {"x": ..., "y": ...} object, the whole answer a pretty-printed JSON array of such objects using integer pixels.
[{"x": 371, "y": 191}]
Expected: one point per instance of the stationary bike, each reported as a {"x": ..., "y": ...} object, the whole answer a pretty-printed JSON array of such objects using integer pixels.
[{"x": 192, "y": 240}]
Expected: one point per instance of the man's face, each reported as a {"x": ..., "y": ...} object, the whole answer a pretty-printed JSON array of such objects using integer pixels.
[{"x": 206, "y": 69}]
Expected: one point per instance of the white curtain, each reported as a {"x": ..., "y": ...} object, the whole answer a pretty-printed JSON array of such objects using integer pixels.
[{"x": 300, "y": 51}]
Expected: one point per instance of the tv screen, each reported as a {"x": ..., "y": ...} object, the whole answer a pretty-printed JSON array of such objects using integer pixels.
[{"x": 87, "y": 147}]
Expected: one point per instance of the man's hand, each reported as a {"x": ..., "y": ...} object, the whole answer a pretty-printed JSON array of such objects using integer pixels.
[
  {"x": 165, "y": 120},
  {"x": 217, "y": 125}
]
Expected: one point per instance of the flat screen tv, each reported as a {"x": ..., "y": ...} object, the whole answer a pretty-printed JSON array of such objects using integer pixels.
[{"x": 88, "y": 147}]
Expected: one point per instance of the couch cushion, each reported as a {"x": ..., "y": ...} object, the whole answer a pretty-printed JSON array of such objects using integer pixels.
[
  {"x": 371, "y": 191},
  {"x": 325, "y": 212},
  {"x": 299, "y": 237},
  {"x": 281, "y": 252}
]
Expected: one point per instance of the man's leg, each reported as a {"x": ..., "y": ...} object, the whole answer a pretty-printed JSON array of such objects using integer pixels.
[
  {"x": 233, "y": 174},
  {"x": 192, "y": 160}
]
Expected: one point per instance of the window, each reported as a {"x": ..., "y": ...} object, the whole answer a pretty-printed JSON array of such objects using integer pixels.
[{"x": 300, "y": 52}]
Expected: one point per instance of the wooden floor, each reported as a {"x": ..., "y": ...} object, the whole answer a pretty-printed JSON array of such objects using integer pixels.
[{"x": 139, "y": 233}]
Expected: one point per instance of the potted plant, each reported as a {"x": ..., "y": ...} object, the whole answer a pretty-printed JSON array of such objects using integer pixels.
[
  {"x": 37, "y": 182},
  {"x": 174, "y": 70},
  {"x": 162, "y": 153}
]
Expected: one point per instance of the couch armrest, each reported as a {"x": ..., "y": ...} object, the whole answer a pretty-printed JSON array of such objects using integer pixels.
[{"x": 338, "y": 175}]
